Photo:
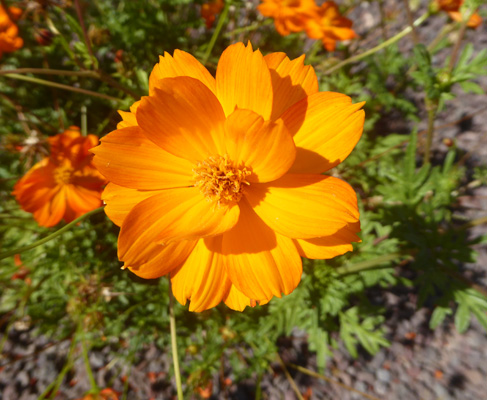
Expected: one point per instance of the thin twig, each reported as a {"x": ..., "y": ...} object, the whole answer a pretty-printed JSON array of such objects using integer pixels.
[
  {"x": 85, "y": 34},
  {"x": 325, "y": 378},
  {"x": 51, "y": 236},
  {"x": 456, "y": 48},
  {"x": 60, "y": 86},
  {"x": 289, "y": 378},
  {"x": 414, "y": 34}
]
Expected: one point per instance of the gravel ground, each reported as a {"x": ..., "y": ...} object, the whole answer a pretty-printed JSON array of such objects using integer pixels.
[{"x": 419, "y": 364}]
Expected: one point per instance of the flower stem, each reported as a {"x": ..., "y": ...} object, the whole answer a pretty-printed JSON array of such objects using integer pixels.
[
  {"x": 89, "y": 371},
  {"x": 49, "y": 237},
  {"x": 370, "y": 264},
  {"x": 216, "y": 33},
  {"x": 431, "y": 106},
  {"x": 174, "y": 346},
  {"x": 59, "y": 86},
  {"x": 406, "y": 31}
]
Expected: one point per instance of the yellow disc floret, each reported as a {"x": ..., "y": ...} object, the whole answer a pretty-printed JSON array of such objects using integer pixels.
[{"x": 219, "y": 180}]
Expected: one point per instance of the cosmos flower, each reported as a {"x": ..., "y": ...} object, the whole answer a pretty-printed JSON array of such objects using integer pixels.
[
  {"x": 452, "y": 7},
  {"x": 64, "y": 185},
  {"x": 218, "y": 181},
  {"x": 210, "y": 10},
  {"x": 289, "y": 15},
  {"x": 9, "y": 39},
  {"x": 330, "y": 26}
]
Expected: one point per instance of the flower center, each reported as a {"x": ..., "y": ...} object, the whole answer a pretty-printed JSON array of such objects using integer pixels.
[
  {"x": 63, "y": 175},
  {"x": 220, "y": 180}
]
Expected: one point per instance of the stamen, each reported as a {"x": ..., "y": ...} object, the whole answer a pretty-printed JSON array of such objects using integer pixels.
[
  {"x": 63, "y": 175},
  {"x": 219, "y": 180}
]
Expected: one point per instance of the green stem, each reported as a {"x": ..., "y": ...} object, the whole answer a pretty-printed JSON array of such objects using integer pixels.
[
  {"x": 48, "y": 71},
  {"x": 49, "y": 237},
  {"x": 248, "y": 28},
  {"x": 366, "y": 265},
  {"x": 89, "y": 371},
  {"x": 174, "y": 346},
  {"x": 431, "y": 106},
  {"x": 84, "y": 121},
  {"x": 381, "y": 46},
  {"x": 59, "y": 86},
  {"x": 54, "y": 386},
  {"x": 216, "y": 33}
]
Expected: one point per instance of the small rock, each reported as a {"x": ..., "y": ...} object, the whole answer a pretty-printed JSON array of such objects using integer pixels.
[{"x": 383, "y": 375}]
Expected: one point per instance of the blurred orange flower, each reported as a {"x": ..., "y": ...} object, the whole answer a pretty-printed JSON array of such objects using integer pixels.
[
  {"x": 289, "y": 15},
  {"x": 9, "y": 40},
  {"x": 330, "y": 26},
  {"x": 210, "y": 10},
  {"x": 452, "y": 7},
  {"x": 105, "y": 394},
  {"x": 217, "y": 181},
  {"x": 64, "y": 185}
]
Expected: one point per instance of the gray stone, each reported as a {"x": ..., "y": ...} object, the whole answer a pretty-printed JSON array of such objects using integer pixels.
[{"x": 383, "y": 375}]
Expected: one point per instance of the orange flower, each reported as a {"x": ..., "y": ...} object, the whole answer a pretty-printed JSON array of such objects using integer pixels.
[
  {"x": 9, "y": 40},
  {"x": 210, "y": 10},
  {"x": 64, "y": 185},
  {"x": 105, "y": 394},
  {"x": 452, "y": 7},
  {"x": 330, "y": 26},
  {"x": 289, "y": 15},
  {"x": 217, "y": 181}
]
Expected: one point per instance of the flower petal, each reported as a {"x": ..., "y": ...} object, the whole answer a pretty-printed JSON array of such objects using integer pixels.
[
  {"x": 202, "y": 278},
  {"x": 329, "y": 246},
  {"x": 326, "y": 127},
  {"x": 82, "y": 200},
  {"x": 243, "y": 80},
  {"x": 120, "y": 201},
  {"x": 127, "y": 158},
  {"x": 172, "y": 215},
  {"x": 184, "y": 118},
  {"x": 163, "y": 259},
  {"x": 304, "y": 206},
  {"x": 259, "y": 262},
  {"x": 237, "y": 301},
  {"x": 181, "y": 64},
  {"x": 266, "y": 147},
  {"x": 291, "y": 81}
]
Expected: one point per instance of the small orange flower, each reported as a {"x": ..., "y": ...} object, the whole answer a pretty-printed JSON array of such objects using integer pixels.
[
  {"x": 105, "y": 394},
  {"x": 218, "y": 181},
  {"x": 64, "y": 185},
  {"x": 9, "y": 40},
  {"x": 330, "y": 26},
  {"x": 210, "y": 10},
  {"x": 452, "y": 7},
  {"x": 289, "y": 15}
]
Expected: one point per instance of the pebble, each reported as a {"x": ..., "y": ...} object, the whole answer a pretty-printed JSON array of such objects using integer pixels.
[{"x": 383, "y": 375}]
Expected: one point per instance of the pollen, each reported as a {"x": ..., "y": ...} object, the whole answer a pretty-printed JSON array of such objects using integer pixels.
[
  {"x": 220, "y": 181},
  {"x": 63, "y": 175}
]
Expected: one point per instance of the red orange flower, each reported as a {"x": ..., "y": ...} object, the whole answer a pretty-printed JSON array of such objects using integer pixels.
[
  {"x": 64, "y": 185},
  {"x": 9, "y": 40},
  {"x": 452, "y": 7},
  {"x": 217, "y": 181},
  {"x": 330, "y": 26},
  {"x": 289, "y": 15},
  {"x": 210, "y": 10}
]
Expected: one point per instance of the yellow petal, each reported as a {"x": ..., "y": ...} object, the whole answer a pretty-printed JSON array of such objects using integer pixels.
[
  {"x": 163, "y": 259},
  {"x": 182, "y": 64},
  {"x": 171, "y": 215},
  {"x": 329, "y": 246},
  {"x": 304, "y": 206},
  {"x": 120, "y": 201},
  {"x": 202, "y": 278},
  {"x": 127, "y": 158},
  {"x": 326, "y": 127},
  {"x": 237, "y": 301},
  {"x": 291, "y": 81},
  {"x": 243, "y": 80},
  {"x": 260, "y": 263},
  {"x": 266, "y": 147},
  {"x": 184, "y": 118}
]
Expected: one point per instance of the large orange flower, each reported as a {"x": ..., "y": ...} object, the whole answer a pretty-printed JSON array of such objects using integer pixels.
[
  {"x": 64, "y": 185},
  {"x": 9, "y": 40},
  {"x": 210, "y": 10},
  {"x": 452, "y": 7},
  {"x": 218, "y": 182},
  {"x": 330, "y": 26},
  {"x": 289, "y": 15}
]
